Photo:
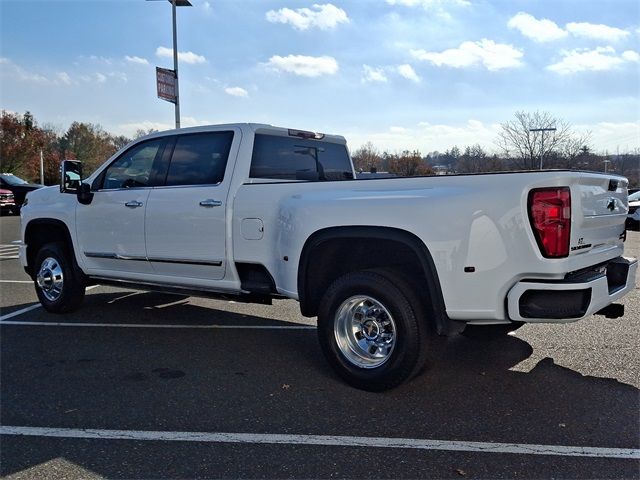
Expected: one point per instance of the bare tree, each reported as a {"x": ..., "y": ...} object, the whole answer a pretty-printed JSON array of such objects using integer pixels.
[{"x": 530, "y": 148}]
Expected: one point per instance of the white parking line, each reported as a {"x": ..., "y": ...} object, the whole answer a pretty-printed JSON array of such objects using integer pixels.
[
  {"x": 17, "y": 281},
  {"x": 326, "y": 440},
  {"x": 18, "y": 312},
  {"x": 144, "y": 325},
  {"x": 31, "y": 307}
]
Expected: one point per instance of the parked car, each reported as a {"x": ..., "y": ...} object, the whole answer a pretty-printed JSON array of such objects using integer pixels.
[
  {"x": 7, "y": 202},
  {"x": 17, "y": 186},
  {"x": 633, "y": 219}
]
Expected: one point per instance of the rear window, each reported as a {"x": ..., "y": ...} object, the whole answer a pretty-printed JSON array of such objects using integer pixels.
[
  {"x": 199, "y": 159},
  {"x": 285, "y": 158}
]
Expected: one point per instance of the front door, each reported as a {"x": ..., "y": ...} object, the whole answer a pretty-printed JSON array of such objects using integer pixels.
[{"x": 110, "y": 230}]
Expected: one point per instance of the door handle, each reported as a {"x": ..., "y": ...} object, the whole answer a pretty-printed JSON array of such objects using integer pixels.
[
  {"x": 210, "y": 203},
  {"x": 133, "y": 204}
]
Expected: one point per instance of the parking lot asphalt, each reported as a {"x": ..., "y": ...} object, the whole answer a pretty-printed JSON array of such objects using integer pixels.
[{"x": 148, "y": 385}]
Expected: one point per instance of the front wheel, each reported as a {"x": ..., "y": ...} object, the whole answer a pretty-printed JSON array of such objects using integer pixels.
[
  {"x": 370, "y": 330},
  {"x": 57, "y": 286}
]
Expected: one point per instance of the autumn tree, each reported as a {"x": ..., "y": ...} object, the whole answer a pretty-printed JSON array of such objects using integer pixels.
[
  {"x": 367, "y": 158},
  {"x": 407, "y": 164},
  {"x": 88, "y": 143},
  {"x": 522, "y": 140}
]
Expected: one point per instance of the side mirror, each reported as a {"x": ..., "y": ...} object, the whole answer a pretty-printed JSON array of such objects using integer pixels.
[{"x": 70, "y": 176}]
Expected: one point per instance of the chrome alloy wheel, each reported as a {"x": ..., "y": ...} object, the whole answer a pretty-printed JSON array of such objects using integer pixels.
[
  {"x": 365, "y": 331},
  {"x": 50, "y": 279}
]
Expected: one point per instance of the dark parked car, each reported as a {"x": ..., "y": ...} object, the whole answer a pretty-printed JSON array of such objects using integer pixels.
[
  {"x": 6, "y": 201},
  {"x": 18, "y": 186}
]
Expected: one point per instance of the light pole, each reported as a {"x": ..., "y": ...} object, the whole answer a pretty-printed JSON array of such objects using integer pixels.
[
  {"x": 174, "y": 4},
  {"x": 542, "y": 130}
]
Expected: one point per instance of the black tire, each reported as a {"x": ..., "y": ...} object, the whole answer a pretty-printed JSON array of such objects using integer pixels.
[
  {"x": 490, "y": 332},
  {"x": 71, "y": 291},
  {"x": 414, "y": 335}
]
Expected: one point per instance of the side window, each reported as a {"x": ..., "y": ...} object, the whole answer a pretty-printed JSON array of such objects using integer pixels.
[
  {"x": 288, "y": 158},
  {"x": 133, "y": 167},
  {"x": 199, "y": 159}
]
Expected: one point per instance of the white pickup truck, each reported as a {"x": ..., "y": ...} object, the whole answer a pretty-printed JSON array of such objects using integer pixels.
[{"x": 389, "y": 266}]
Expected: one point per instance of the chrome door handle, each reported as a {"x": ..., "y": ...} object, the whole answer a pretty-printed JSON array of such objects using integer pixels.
[
  {"x": 210, "y": 203},
  {"x": 133, "y": 204}
]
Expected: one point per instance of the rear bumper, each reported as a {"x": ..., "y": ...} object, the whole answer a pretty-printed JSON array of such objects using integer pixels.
[{"x": 573, "y": 298}]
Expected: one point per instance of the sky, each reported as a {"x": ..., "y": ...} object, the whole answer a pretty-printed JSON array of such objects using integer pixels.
[{"x": 402, "y": 74}]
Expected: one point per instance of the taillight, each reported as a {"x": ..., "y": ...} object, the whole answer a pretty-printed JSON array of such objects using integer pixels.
[{"x": 550, "y": 217}]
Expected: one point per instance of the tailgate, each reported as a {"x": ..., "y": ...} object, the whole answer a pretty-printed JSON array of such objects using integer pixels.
[{"x": 599, "y": 209}]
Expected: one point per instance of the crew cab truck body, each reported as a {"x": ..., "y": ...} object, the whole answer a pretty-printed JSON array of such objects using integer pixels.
[{"x": 389, "y": 266}]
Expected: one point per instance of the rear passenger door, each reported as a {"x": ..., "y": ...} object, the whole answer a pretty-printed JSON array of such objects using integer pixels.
[{"x": 185, "y": 224}]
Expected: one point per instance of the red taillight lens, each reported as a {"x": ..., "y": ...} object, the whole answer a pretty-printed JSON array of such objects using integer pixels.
[{"x": 550, "y": 216}]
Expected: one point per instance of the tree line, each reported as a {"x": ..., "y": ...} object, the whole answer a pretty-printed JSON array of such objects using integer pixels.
[
  {"x": 22, "y": 141},
  {"x": 520, "y": 143},
  {"x": 528, "y": 142}
]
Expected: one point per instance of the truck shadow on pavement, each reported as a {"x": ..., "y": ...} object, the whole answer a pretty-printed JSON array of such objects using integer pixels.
[{"x": 275, "y": 381}]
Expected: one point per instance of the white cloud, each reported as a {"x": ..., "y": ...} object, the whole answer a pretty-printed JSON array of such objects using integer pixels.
[
  {"x": 440, "y": 8},
  {"x": 186, "y": 57},
  {"x": 304, "y": 65},
  {"x": 100, "y": 78},
  {"x": 545, "y": 30},
  {"x": 138, "y": 60},
  {"x": 324, "y": 17},
  {"x": 237, "y": 92},
  {"x": 538, "y": 30},
  {"x": 493, "y": 56},
  {"x": 596, "y": 31},
  {"x": 408, "y": 72},
  {"x": 427, "y": 4},
  {"x": 428, "y": 137},
  {"x": 120, "y": 76},
  {"x": 611, "y": 135},
  {"x": 598, "y": 59},
  {"x": 206, "y": 7},
  {"x": 371, "y": 74},
  {"x": 63, "y": 77},
  {"x": 129, "y": 129}
]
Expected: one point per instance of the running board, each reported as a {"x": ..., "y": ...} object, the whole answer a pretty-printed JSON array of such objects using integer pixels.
[{"x": 244, "y": 297}]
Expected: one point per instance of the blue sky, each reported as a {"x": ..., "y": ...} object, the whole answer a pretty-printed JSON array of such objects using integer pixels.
[{"x": 425, "y": 74}]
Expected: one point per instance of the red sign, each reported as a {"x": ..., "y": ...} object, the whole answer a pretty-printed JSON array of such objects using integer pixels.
[{"x": 166, "y": 82}]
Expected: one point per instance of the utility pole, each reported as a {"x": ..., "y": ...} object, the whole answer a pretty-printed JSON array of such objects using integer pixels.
[
  {"x": 175, "y": 61},
  {"x": 41, "y": 168},
  {"x": 542, "y": 130},
  {"x": 174, "y": 4}
]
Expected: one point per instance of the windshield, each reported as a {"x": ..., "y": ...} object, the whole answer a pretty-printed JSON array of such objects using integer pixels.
[
  {"x": 634, "y": 197},
  {"x": 11, "y": 179}
]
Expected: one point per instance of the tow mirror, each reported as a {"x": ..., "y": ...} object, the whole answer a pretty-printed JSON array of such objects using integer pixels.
[
  {"x": 71, "y": 181},
  {"x": 70, "y": 176}
]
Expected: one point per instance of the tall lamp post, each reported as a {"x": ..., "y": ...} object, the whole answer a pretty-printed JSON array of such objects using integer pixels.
[
  {"x": 174, "y": 4},
  {"x": 542, "y": 130}
]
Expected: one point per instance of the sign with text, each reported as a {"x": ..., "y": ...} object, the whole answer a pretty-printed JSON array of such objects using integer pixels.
[{"x": 166, "y": 82}]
